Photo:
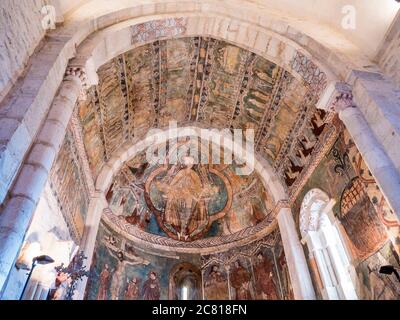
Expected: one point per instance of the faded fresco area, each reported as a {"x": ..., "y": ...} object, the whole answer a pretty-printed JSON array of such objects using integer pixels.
[
  {"x": 257, "y": 271},
  {"x": 187, "y": 201},
  {"x": 371, "y": 229},
  {"x": 67, "y": 182},
  {"x": 122, "y": 270}
]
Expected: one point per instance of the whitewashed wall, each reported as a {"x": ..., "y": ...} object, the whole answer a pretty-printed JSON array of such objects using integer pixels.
[
  {"x": 389, "y": 54},
  {"x": 21, "y": 31},
  {"x": 50, "y": 231}
]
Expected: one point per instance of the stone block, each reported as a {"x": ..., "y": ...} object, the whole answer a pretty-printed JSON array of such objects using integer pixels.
[
  {"x": 52, "y": 133},
  {"x": 30, "y": 182},
  {"x": 42, "y": 155}
]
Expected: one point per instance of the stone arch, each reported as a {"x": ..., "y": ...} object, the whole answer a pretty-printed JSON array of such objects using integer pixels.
[
  {"x": 106, "y": 44},
  {"x": 311, "y": 208},
  {"x": 326, "y": 248},
  {"x": 183, "y": 274}
]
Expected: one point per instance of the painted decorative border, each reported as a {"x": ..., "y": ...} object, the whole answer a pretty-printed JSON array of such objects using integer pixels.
[{"x": 216, "y": 244}]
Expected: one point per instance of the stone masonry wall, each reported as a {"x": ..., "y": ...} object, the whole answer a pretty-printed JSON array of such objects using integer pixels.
[{"x": 20, "y": 32}]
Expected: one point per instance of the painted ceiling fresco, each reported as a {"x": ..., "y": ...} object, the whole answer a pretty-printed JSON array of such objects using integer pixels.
[
  {"x": 187, "y": 201},
  {"x": 213, "y": 83}
]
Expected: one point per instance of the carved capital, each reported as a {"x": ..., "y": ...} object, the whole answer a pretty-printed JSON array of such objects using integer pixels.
[
  {"x": 336, "y": 98},
  {"x": 79, "y": 73},
  {"x": 343, "y": 98}
]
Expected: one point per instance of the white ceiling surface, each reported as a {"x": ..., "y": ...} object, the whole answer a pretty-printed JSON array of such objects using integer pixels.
[
  {"x": 373, "y": 17},
  {"x": 320, "y": 19}
]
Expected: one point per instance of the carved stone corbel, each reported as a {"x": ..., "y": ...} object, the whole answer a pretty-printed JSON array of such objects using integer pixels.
[{"x": 79, "y": 73}]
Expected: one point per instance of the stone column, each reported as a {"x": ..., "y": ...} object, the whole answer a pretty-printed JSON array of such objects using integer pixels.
[
  {"x": 97, "y": 204},
  {"x": 373, "y": 153},
  {"x": 315, "y": 272},
  {"x": 325, "y": 270},
  {"x": 298, "y": 269},
  {"x": 17, "y": 213}
]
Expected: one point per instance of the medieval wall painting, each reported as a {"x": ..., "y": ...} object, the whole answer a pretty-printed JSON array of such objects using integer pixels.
[
  {"x": 122, "y": 270},
  {"x": 215, "y": 282},
  {"x": 241, "y": 280},
  {"x": 286, "y": 289},
  {"x": 386, "y": 216},
  {"x": 67, "y": 181},
  {"x": 272, "y": 281},
  {"x": 376, "y": 286},
  {"x": 360, "y": 220},
  {"x": 257, "y": 271},
  {"x": 187, "y": 201},
  {"x": 212, "y": 82},
  {"x": 368, "y": 223}
]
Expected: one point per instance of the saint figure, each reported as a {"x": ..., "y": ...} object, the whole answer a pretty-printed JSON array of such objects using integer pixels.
[
  {"x": 151, "y": 288},
  {"x": 265, "y": 285},
  {"x": 240, "y": 280},
  {"x": 132, "y": 290},
  {"x": 216, "y": 285},
  {"x": 104, "y": 282}
]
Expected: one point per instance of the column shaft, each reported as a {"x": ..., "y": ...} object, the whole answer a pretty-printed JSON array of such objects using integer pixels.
[
  {"x": 16, "y": 216},
  {"x": 298, "y": 269},
  {"x": 379, "y": 163}
]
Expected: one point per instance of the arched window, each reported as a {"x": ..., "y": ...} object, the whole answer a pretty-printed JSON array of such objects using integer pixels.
[
  {"x": 319, "y": 231},
  {"x": 185, "y": 282}
]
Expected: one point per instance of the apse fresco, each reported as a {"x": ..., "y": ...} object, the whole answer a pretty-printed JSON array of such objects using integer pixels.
[
  {"x": 370, "y": 227},
  {"x": 216, "y": 282},
  {"x": 241, "y": 280},
  {"x": 257, "y": 271},
  {"x": 283, "y": 277},
  {"x": 123, "y": 270},
  {"x": 186, "y": 201}
]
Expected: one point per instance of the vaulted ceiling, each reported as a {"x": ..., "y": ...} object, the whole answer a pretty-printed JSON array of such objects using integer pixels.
[{"x": 210, "y": 82}]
